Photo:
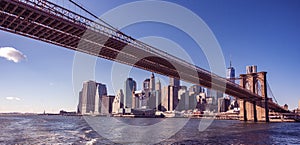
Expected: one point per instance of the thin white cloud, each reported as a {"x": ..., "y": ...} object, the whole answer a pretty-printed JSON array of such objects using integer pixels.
[
  {"x": 12, "y": 54},
  {"x": 13, "y": 98}
]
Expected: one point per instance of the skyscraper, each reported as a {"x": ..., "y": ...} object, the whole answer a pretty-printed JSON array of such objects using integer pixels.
[
  {"x": 79, "y": 107},
  {"x": 183, "y": 97},
  {"x": 212, "y": 99},
  {"x": 130, "y": 87},
  {"x": 158, "y": 85},
  {"x": 138, "y": 99},
  {"x": 174, "y": 82},
  {"x": 195, "y": 89},
  {"x": 118, "y": 101},
  {"x": 223, "y": 104},
  {"x": 165, "y": 99},
  {"x": 230, "y": 73},
  {"x": 158, "y": 95},
  {"x": 170, "y": 95},
  {"x": 101, "y": 92},
  {"x": 106, "y": 104},
  {"x": 211, "y": 93},
  {"x": 88, "y": 97},
  {"x": 152, "y": 101},
  {"x": 220, "y": 94},
  {"x": 152, "y": 82},
  {"x": 146, "y": 87}
]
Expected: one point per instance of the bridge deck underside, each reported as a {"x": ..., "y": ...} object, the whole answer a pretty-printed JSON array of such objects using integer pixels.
[{"x": 46, "y": 25}]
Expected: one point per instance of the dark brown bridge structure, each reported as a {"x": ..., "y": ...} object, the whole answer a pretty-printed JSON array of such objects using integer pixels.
[{"x": 51, "y": 23}]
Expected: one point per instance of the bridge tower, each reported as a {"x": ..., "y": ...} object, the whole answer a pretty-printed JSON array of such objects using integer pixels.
[{"x": 251, "y": 110}]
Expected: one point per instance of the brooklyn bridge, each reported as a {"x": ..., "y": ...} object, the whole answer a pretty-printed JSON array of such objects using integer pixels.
[{"x": 51, "y": 23}]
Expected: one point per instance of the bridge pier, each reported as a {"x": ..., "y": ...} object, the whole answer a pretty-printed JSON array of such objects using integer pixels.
[
  {"x": 267, "y": 110},
  {"x": 243, "y": 114},
  {"x": 254, "y": 110}
]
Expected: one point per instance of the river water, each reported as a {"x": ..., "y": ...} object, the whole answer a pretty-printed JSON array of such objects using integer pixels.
[{"x": 75, "y": 130}]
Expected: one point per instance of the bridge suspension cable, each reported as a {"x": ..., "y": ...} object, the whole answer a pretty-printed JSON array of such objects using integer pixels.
[
  {"x": 258, "y": 89},
  {"x": 270, "y": 93},
  {"x": 90, "y": 13}
]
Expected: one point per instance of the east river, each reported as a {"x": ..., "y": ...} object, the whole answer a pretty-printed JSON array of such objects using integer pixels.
[{"x": 78, "y": 130}]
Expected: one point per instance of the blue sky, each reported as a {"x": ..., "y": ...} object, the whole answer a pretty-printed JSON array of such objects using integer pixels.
[{"x": 264, "y": 33}]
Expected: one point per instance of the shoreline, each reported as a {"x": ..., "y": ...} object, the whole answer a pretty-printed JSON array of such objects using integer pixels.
[{"x": 132, "y": 116}]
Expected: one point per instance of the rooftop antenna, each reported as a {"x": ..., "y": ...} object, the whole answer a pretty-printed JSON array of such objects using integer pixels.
[{"x": 230, "y": 65}]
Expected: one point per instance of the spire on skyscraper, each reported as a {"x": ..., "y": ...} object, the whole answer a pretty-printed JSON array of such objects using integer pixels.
[
  {"x": 230, "y": 63},
  {"x": 152, "y": 82}
]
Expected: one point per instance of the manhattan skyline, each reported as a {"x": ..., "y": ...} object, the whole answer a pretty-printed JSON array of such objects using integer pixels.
[{"x": 265, "y": 34}]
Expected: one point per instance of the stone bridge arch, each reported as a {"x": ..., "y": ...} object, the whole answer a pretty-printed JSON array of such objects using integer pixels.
[{"x": 254, "y": 110}]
